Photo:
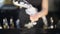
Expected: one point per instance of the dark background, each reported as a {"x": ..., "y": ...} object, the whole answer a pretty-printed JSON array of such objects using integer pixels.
[{"x": 54, "y": 11}]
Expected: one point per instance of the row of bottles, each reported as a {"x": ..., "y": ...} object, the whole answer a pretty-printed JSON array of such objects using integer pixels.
[
  {"x": 52, "y": 26},
  {"x": 10, "y": 24},
  {"x": 51, "y": 20}
]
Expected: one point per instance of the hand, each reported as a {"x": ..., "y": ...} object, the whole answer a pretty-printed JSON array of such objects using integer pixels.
[{"x": 34, "y": 17}]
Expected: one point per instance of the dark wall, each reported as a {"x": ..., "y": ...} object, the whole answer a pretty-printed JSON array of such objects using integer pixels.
[{"x": 54, "y": 5}]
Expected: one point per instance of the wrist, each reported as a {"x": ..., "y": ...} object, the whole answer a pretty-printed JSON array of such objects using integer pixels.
[{"x": 39, "y": 15}]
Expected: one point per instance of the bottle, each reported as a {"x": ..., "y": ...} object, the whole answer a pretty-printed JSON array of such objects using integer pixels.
[
  {"x": 17, "y": 24},
  {"x": 51, "y": 19},
  {"x": 11, "y": 23},
  {"x": 0, "y": 26},
  {"x": 5, "y": 24},
  {"x": 45, "y": 26}
]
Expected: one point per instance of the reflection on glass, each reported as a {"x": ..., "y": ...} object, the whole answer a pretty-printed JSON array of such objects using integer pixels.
[{"x": 1, "y": 3}]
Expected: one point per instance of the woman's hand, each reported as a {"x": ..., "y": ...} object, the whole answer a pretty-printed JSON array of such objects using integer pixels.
[{"x": 34, "y": 17}]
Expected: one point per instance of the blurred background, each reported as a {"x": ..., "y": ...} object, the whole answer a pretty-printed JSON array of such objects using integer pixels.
[{"x": 9, "y": 11}]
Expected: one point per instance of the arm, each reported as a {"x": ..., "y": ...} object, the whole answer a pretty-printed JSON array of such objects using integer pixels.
[
  {"x": 44, "y": 10},
  {"x": 42, "y": 13}
]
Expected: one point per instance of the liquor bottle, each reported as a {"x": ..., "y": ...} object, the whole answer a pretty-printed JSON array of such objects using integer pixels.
[
  {"x": 17, "y": 24},
  {"x": 51, "y": 19},
  {"x": 45, "y": 26},
  {"x": 11, "y": 23},
  {"x": 0, "y": 26},
  {"x": 5, "y": 24}
]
